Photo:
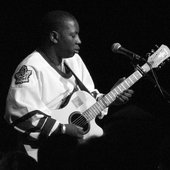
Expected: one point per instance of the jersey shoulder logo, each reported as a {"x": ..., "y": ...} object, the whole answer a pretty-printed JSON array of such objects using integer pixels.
[{"x": 22, "y": 76}]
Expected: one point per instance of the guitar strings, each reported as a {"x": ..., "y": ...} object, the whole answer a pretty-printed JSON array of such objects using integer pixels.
[
  {"x": 83, "y": 118},
  {"x": 92, "y": 111},
  {"x": 80, "y": 121}
]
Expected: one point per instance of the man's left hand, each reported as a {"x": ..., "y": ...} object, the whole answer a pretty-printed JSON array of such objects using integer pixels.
[{"x": 123, "y": 97}]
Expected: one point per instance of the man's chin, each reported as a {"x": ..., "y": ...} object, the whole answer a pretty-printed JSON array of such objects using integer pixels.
[
  {"x": 76, "y": 51},
  {"x": 70, "y": 55}
]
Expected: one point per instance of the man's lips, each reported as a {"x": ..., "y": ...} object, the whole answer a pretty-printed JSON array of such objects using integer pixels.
[{"x": 76, "y": 50}]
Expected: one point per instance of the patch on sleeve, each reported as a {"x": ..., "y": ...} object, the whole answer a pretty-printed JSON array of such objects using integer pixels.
[{"x": 22, "y": 76}]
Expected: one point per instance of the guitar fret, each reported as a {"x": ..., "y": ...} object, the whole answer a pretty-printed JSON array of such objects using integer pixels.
[
  {"x": 91, "y": 112},
  {"x": 135, "y": 77},
  {"x": 97, "y": 108},
  {"x": 109, "y": 97},
  {"x": 99, "y": 105},
  {"x": 124, "y": 88},
  {"x": 119, "y": 88},
  {"x": 87, "y": 115},
  {"x": 139, "y": 74},
  {"x": 93, "y": 109},
  {"x": 131, "y": 81},
  {"x": 113, "y": 94},
  {"x": 108, "y": 100},
  {"x": 127, "y": 83},
  {"x": 102, "y": 101},
  {"x": 94, "y": 114},
  {"x": 116, "y": 91}
]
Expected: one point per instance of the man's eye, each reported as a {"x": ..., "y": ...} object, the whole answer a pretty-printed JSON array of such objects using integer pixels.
[{"x": 73, "y": 36}]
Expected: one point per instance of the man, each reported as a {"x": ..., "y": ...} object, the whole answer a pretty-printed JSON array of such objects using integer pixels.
[{"x": 44, "y": 82}]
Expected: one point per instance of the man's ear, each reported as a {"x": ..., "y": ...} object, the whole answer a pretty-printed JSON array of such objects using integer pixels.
[{"x": 54, "y": 35}]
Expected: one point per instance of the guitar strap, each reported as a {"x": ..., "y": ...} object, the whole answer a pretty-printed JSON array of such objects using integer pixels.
[{"x": 79, "y": 82}]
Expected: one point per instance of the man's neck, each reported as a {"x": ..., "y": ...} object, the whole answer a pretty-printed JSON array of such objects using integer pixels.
[
  {"x": 52, "y": 56},
  {"x": 54, "y": 59}
]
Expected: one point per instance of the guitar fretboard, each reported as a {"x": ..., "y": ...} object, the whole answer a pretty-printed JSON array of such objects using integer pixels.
[{"x": 110, "y": 97}]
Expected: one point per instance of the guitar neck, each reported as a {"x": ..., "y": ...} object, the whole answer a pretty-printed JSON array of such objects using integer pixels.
[
  {"x": 126, "y": 84},
  {"x": 110, "y": 97}
]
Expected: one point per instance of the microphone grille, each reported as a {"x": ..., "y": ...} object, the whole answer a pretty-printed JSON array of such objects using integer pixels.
[{"x": 115, "y": 47}]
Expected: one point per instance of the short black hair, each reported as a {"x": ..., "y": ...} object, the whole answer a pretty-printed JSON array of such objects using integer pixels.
[{"x": 54, "y": 20}]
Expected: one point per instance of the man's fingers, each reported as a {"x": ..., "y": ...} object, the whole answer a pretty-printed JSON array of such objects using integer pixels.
[
  {"x": 122, "y": 98},
  {"x": 80, "y": 130}
]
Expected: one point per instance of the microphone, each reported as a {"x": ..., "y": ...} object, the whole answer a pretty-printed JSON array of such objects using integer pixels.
[{"x": 117, "y": 48}]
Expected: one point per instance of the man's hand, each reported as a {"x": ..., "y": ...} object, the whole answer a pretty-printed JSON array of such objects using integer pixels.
[
  {"x": 124, "y": 96},
  {"x": 74, "y": 130}
]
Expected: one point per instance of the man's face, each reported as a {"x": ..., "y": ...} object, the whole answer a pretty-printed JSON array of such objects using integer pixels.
[{"x": 68, "y": 42}]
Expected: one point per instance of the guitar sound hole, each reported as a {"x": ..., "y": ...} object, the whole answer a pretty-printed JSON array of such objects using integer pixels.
[{"x": 79, "y": 120}]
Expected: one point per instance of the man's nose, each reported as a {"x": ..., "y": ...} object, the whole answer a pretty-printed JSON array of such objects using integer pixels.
[{"x": 78, "y": 40}]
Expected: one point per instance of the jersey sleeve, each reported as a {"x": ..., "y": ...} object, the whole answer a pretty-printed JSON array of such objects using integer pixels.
[{"x": 24, "y": 107}]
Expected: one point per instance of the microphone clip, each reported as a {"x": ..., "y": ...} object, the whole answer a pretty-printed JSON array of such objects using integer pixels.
[{"x": 137, "y": 57}]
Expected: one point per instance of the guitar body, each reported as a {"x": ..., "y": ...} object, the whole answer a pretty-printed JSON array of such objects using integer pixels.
[{"x": 79, "y": 102}]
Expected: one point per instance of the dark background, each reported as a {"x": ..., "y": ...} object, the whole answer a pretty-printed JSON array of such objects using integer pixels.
[{"x": 136, "y": 25}]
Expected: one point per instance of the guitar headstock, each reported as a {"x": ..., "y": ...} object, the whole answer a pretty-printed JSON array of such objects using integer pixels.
[{"x": 159, "y": 56}]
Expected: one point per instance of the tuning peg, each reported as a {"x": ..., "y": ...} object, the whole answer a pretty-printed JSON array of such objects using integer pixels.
[
  {"x": 162, "y": 64},
  {"x": 148, "y": 54},
  {"x": 156, "y": 46},
  {"x": 152, "y": 51},
  {"x": 159, "y": 67}
]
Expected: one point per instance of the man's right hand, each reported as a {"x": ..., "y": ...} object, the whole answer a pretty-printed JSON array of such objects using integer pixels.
[{"x": 74, "y": 130}]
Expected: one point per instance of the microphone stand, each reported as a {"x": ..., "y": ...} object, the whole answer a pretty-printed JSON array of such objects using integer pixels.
[{"x": 163, "y": 92}]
